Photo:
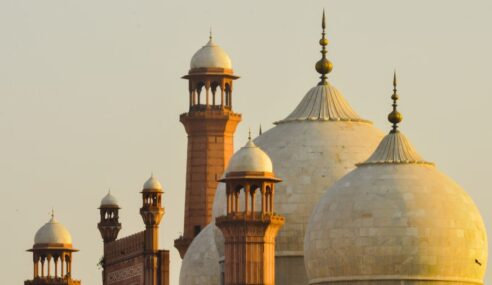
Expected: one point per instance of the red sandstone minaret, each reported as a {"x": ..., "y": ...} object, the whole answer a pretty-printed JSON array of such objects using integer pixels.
[
  {"x": 250, "y": 225},
  {"x": 210, "y": 124},
  {"x": 152, "y": 212}
]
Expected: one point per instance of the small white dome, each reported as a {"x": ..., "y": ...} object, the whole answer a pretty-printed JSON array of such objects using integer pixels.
[
  {"x": 109, "y": 200},
  {"x": 250, "y": 158},
  {"x": 152, "y": 184},
  {"x": 211, "y": 55},
  {"x": 53, "y": 233}
]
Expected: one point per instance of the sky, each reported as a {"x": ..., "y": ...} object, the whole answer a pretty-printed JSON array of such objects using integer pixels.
[{"x": 90, "y": 97}]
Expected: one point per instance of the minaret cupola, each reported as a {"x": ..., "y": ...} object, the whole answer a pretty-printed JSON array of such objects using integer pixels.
[
  {"x": 210, "y": 78},
  {"x": 52, "y": 255},
  {"x": 152, "y": 210},
  {"x": 250, "y": 224},
  {"x": 109, "y": 225}
]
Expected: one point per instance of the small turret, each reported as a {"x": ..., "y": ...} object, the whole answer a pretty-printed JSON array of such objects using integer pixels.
[
  {"x": 52, "y": 255},
  {"x": 109, "y": 225},
  {"x": 152, "y": 210}
]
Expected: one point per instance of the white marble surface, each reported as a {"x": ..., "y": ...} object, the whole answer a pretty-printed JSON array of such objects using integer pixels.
[
  {"x": 210, "y": 55},
  {"x": 401, "y": 221}
]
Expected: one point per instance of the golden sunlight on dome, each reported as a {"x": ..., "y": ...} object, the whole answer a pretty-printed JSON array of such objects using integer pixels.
[
  {"x": 53, "y": 233},
  {"x": 152, "y": 184},
  {"x": 211, "y": 55},
  {"x": 250, "y": 158},
  {"x": 395, "y": 219}
]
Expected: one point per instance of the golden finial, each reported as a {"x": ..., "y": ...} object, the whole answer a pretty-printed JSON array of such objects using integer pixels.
[
  {"x": 395, "y": 117},
  {"x": 323, "y": 66},
  {"x": 260, "y": 132},
  {"x": 52, "y": 214},
  {"x": 249, "y": 134},
  {"x": 210, "y": 33}
]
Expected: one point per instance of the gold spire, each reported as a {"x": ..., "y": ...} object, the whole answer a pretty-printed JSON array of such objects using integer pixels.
[
  {"x": 249, "y": 134},
  {"x": 260, "y": 132},
  {"x": 395, "y": 117},
  {"x": 210, "y": 33},
  {"x": 323, "y": 66}
]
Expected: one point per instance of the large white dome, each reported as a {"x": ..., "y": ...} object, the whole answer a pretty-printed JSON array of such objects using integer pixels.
[
  {"x": 313, "y": 147},
  {"x": 200, "y": 264},
  {"x": 211, "y": 55},
  {"x": 53, "y": 233},
  {"x": 395, "y": 219}
]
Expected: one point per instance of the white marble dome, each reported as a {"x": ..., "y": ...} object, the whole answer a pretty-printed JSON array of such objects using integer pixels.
[
  {"x": 395, "y": 219},
  {"x": 109, "y": 200},
  {"x": 200, "y": 264},
  {"x": 152, "y": 184},
  {"x": 250, "y": 158},
  {"x": 318, "y": 143},
  {"x": 211, "y": 55},
  {"x": 53, "y": 233}
]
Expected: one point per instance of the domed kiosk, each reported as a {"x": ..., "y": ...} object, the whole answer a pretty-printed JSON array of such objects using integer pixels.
[
  {"x": 318, "y": 143},
  {"x": 395, "y": 219},
  {"x": 52, "y": 255}
]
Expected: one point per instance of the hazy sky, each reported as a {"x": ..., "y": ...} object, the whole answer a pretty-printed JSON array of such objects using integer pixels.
[{"x": 90, "y": 96}]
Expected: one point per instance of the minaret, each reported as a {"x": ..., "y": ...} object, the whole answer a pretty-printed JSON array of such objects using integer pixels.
[
  {"x": 210, "y": 124},
  {"x": 250, "y": 225},
  {"x": 109, "y": 225},
  {"x": 151, "y": 212},
  {"x": 52, "y": 255}
]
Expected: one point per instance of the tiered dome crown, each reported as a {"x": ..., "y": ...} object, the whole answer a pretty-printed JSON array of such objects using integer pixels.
[
  {"x": 53, "y": 233},
  {"x": 211, "y": 55},
  {"x": 323, "y": 103}
]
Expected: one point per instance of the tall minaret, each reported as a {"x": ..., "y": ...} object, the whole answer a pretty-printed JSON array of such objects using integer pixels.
[
  {"x": 109, "y": 225},
  {"x": 210, "y": 124},
  {"x": 151, "y": 212},
  {"x": 250, "y": 225}
]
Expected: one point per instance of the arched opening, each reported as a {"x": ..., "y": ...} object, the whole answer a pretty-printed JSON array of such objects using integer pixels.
[
  {"x": 68, "y": 265},
  {"x": 199, "y": 88},
  {"x": 237, "y": 199},
  {"x": 214, "y": 86},
  {"x": 154, "y": 200},
  {"x": 228, "y": 95},
  {"x": 269, "y": 200},
  {"x": 255, "y": 197}
]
